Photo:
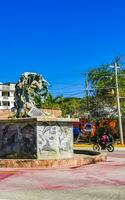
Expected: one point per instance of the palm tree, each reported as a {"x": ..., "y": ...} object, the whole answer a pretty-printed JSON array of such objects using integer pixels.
[{"x": 52, "y": 102}]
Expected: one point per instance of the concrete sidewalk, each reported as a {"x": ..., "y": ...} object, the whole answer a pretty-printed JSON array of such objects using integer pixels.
[{"x": 108, "y": 193}]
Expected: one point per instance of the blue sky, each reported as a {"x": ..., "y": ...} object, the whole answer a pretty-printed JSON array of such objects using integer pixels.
[{"x": 59, "y": 39}]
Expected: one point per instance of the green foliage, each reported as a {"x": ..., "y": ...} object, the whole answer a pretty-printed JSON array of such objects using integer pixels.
[
  {"x": 102, "y": 81},
  {"x": 71, "y": 106},
  {"x": 52, "y": 102}
]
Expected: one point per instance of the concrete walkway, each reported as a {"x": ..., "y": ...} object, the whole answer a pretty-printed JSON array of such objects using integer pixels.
[{"x": 102, "y": 181}]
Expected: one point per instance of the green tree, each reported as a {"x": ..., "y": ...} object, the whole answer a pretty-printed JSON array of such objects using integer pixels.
[
  {"x": 102, "y": 83},
  {"x": 52, "y": 102},
  {"x": 73, "y": 106}
]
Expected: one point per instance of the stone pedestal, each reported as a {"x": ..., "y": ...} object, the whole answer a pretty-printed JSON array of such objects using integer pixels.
[
  {"x": 39, "y": 138},
  {"x": 54, "y": 138}
]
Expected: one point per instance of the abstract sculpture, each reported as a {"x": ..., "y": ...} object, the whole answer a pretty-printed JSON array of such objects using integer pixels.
[{"x": 29, "y": 87}]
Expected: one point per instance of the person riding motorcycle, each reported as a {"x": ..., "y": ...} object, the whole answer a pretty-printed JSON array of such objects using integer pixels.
[{"x": 104, "y": 139}]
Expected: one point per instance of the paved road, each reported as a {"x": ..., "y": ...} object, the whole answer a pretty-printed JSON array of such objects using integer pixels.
[
  {"x": 102, "y": 181},
  {"x": 117, "y": 154}
]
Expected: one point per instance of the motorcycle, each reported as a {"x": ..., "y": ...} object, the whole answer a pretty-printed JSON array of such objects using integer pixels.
[{"x": 103, "y": 146}]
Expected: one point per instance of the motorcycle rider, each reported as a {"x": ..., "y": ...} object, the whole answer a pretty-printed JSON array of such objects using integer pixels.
[
  {"x": 104, "y": 138},
  {"x": 110, "y": 138}
]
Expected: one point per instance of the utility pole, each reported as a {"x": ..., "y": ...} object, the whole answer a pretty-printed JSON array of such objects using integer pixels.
[
  {"x": 118, "y": 104},
  {"x": 87, "y": 91}
]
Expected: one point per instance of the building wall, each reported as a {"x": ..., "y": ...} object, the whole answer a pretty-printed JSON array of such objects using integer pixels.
[
  {"x": 6, "y": 113},
  {"x": 53, "y": 112},
  {"x": 7, "y": 96}
]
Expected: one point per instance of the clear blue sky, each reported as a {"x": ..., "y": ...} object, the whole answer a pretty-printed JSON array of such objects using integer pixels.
[{"x": 59, "y": 39}]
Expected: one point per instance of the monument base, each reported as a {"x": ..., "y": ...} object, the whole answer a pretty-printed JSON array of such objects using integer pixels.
[
  {"x": 75, "y": 161},
  {"x": 36, "y": 138}
]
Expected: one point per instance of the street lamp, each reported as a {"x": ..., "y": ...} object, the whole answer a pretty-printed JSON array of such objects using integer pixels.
[{"x": 118, "y": 102}]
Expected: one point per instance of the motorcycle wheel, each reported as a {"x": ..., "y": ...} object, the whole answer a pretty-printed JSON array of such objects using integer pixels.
[
  {"x": 96, "y": 147},
  {"x": 110, "y": 148}
]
